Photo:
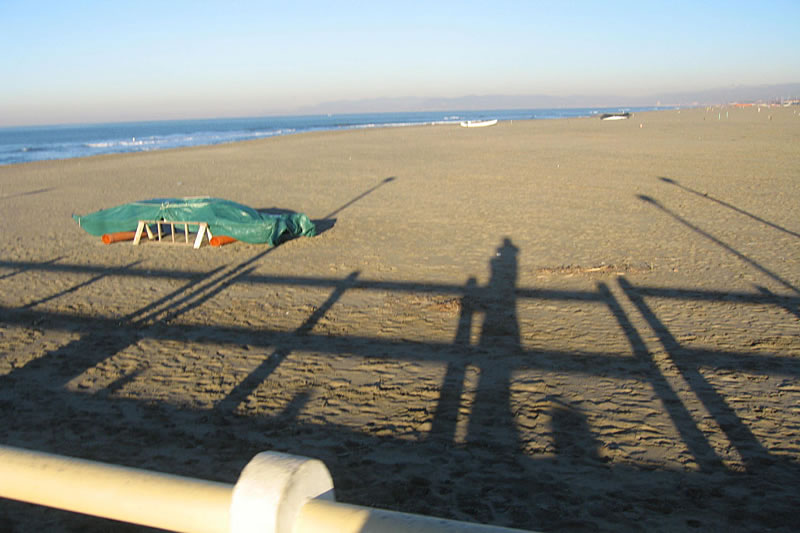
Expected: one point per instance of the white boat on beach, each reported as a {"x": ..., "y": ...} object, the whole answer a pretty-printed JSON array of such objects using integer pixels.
[
  {"x": 478, "y": 123},
  {"x": 615, "y": 116}
]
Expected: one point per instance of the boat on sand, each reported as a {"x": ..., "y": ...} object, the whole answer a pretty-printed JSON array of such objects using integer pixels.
[
  {"x": 223, "y": 217},
  {"x": 478, "y": 123},
  {"x": 615, "y": 116}
]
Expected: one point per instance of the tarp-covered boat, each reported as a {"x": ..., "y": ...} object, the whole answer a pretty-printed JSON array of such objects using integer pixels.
[{"x": 223, "y": 217}]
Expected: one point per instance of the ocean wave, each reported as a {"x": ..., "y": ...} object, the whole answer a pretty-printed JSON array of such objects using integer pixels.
[
  {"x": 122, "y": 143},
  {"x": 181, "y": 140}
]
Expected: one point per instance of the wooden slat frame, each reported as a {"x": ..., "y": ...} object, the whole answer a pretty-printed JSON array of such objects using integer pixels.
[{"x": 203, "y": 231}]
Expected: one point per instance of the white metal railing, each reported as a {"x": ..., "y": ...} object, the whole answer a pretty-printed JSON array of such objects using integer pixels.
[{"x": 275, "y": 493}]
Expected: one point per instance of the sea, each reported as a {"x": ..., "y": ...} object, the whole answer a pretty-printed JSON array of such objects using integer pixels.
[{"x": 23, "y": 144}]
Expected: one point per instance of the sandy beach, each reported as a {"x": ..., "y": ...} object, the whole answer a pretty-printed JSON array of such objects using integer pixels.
[{"x": 554, "y": 325}]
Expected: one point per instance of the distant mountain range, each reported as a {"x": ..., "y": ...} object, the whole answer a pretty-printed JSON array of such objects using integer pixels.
[{"x": 722, "y": 95}]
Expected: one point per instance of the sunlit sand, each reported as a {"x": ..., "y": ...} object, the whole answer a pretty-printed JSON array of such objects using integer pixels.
[{"x": 558, "y": 325}]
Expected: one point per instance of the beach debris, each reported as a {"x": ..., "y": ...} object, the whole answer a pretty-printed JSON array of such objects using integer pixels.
[{"x": 595, "y": 270}]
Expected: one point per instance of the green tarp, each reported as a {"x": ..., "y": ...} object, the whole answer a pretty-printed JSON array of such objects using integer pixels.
[{"x": 223, "y": 217}]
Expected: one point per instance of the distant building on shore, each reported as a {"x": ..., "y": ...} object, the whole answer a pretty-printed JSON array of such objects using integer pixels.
[{"x": 783, "y": 102}]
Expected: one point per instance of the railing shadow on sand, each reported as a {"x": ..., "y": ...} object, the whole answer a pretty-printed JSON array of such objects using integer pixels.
[
  {"x": 434, "y": 471},
  {"x": 468, "y": 460},
  {"x": 710, "y": 198}
]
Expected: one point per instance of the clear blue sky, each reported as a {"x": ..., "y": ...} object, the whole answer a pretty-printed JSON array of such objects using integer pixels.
[{"x": 84, "y": 61}]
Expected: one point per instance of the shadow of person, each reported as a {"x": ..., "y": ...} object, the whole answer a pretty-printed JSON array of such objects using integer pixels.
[
  {"x": 492, "y": 420},
  {"x": 500, "y": 325}
]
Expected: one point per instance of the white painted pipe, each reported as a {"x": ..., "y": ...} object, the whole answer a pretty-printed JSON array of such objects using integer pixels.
[
  {"x": 275, "y": 493},
  {"x": 127, "y": 494},
  {"x": 320, "y": 516}
]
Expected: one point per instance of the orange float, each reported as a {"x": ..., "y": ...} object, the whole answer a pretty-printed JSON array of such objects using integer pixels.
[
  {"x": 109, "y": 238},
  {"x": 221, "y": 240}
]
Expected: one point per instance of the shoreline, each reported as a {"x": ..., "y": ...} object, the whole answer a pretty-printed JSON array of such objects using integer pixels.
[
  {"x": 551, "y": 325},
  {"x": 23, "y": 144}
]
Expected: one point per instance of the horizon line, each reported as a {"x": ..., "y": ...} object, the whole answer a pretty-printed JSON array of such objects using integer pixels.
[{"x": 479, "y": 102}]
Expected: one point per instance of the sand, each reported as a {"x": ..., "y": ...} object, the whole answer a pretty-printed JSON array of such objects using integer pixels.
[{"x": 568, "y": 325}]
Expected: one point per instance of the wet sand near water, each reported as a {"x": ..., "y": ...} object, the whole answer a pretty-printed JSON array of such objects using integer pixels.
[{"x": 564, "y": 325}]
